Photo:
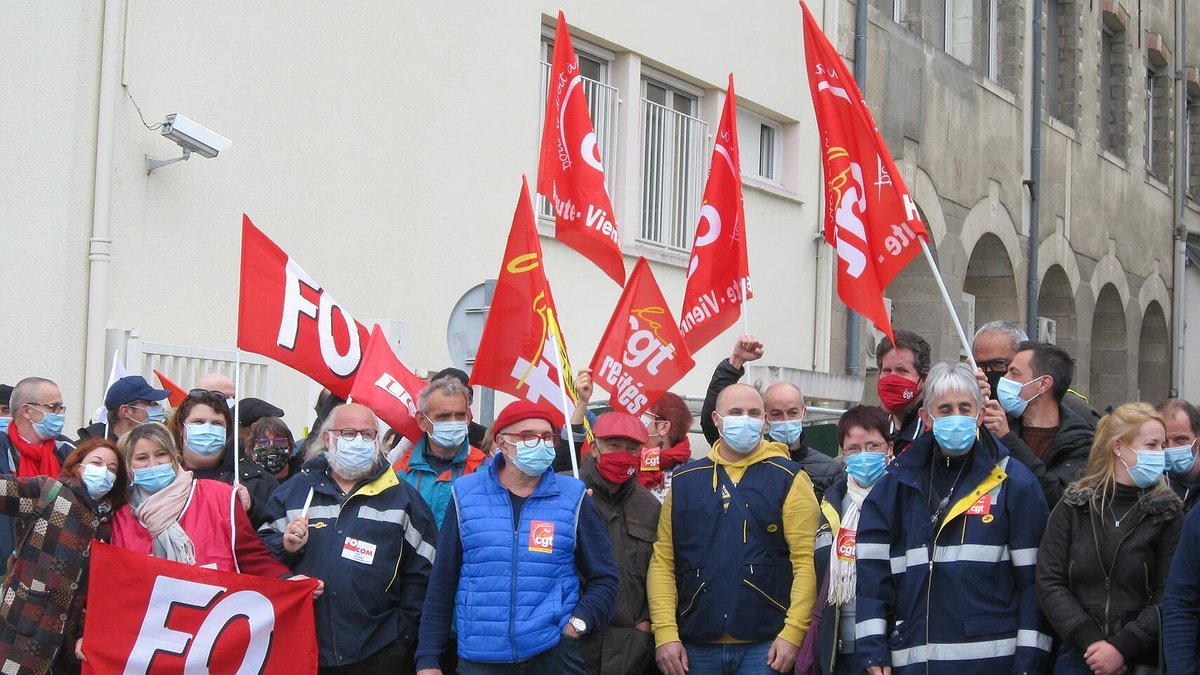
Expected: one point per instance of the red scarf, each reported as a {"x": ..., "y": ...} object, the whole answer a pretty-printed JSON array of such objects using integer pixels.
[
  {"x": 37, "y": 459},
  {"x": 668, "y": 458}
]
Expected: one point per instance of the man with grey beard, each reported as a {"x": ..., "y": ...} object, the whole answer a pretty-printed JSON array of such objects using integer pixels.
[{"x": 368, "y": 535}]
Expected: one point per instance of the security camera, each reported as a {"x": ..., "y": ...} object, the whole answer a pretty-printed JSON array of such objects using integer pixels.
[{"x": 193, "y": 136}]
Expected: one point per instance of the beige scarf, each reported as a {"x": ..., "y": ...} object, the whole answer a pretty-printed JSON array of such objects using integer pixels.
[
  {"x": 842, "y": 576},
  {"x": 159, "y": 513}
]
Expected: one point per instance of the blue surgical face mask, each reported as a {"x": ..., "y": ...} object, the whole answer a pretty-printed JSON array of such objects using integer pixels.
[
  {"x": 955, "y": 434},
  {"x": 4, "y": 422},
  {"x": 786, "y": 432},
  {"x": 156, "y": 413},
  {"x": 50, "y": 426},
  {"x": 205, "y": 439},
  {"x": 866, "y": 467},
  {"x": 449, "y": 434},
  {"x": 1008, "y": 392},
  {"x": 741, "y": 433},
  {"x": 355, "y": 456},
  {"x": 154, "y": 478},
  {"x": 1181, "y": 459},
  {"x": 1149, "y": 467},
  {"x": 534, "y": 461},
  {"x": 97, "y": 479}
]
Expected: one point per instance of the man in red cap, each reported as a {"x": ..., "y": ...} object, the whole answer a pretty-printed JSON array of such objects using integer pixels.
[
  {"x": 524, "y": 566},
  {"x": 630, "y": 515}
]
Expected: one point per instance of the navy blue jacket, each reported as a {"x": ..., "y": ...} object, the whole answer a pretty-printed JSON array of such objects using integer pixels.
[
  {"x": 373, "y": 548},
  {"x": 1181, "y": 603},
  {"x": 958, "y": 597},
  {"x": 592, "y": 560}
]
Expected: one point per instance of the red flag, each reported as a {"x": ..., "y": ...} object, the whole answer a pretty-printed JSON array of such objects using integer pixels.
[
  {"x": 153, "y": 615},
  {"x": 515, "y": 351},
  {"x": 718, "y": 278},
  {"x": 869, "y": 216},
  {"x": 177, "y": 393},
  {"x": 285, "y": 315},
  {"x": 570, "y": 174},
  {"x": 385, "y": 386},
  {"x": 642, "y": 352}
]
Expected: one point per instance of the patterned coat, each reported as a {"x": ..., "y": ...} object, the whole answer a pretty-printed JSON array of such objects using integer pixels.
[{"x": 42, "y": 598}]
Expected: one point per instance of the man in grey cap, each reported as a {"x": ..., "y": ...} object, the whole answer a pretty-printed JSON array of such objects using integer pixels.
[
  {"x": 130, "y": 401},
  {"x": 253, "y": 410}
]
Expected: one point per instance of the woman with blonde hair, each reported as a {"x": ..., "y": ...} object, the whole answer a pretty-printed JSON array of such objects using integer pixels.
[{"x": 1103, "y": 562}]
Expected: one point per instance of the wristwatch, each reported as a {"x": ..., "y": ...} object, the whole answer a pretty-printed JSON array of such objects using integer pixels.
[{"x": 578, "y": 624}]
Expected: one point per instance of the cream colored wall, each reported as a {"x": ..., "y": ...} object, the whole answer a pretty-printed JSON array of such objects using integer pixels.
[{"x": 381, "y": 145}]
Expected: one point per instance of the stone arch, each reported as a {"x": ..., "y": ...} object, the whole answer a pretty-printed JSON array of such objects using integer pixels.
[
  {"x": 1056, "y": 301},
  {"x": 1056, "y": 250},
  {"x": 990, "y": 218},
  {"x": 1110, "y": 349},
  {"x": 926, "y": 196},
  {"x": 1154, "y": 290},
  {"x": 1154, "y": 355},
  {"x": 991, "y": 280},
  {"x": 1110, "y": 271}
]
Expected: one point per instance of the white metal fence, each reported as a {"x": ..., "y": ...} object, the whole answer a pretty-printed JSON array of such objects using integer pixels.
[
  {"x": 186, "y": 365},
  {"x": 673, "y": 145}
]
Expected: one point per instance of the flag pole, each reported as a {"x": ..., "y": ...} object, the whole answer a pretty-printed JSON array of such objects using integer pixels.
[
  {"x": 237, "y": 410},
  {"x": 937, "y": 275},
  {"x": 566, "y": 403}
]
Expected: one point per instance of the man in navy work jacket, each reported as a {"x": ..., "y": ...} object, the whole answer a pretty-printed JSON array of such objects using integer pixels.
[
  {"x": 367, "y": 534},
  {"x": 524, "y": 566},
  {"x": 947, "y": 548}
]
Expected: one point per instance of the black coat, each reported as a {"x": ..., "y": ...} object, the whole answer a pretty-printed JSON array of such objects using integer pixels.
[
  {"x": 1066, "y": 461},
  {"x": 1072, "y": 590}
]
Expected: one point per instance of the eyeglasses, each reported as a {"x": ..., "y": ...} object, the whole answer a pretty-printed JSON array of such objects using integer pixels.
[
  {"x": 531, "y": 440},
  {"x": 995, "y": 365},
  {"x": 279, "y": 440},
  {"x": 869, "y": 447},
  {"x": 209, "y": 398},
  {"x": 349, "y": 434},
  {"x": 55, "y": 409}
]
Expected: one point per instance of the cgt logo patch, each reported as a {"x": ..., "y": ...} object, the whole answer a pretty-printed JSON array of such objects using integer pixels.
[{"x": 541, "y": 536}]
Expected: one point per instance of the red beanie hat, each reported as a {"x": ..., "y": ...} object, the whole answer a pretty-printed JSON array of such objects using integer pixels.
[{"x": 519, "y": 411}]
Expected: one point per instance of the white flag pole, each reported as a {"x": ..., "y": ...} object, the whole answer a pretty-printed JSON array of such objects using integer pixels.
[
  {"x": 937, "y": 275},
  {"x": 566, "y": 404},
  {"x": 237, "y": 410}
]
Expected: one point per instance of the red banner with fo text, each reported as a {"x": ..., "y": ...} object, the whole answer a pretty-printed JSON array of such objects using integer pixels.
[
  {"x": 642, "y": 353},
  {"x": 516, "y": 351},
  {"x": 570, "y": 173},
  {"x": 870, "y": 219},
  {"x": 718, "y": 275},
  {"x": 147, "y": 615},
  {"x": 388, "y": 388},
  {"x": 285, "y": 315}
]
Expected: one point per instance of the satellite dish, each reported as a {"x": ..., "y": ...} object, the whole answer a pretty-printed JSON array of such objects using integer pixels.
[{"x": 464, "y": 330}]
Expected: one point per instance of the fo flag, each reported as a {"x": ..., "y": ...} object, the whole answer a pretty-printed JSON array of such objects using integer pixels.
[
  {"x": 388, "y": 388},
  {"x": 642, "y": 353},
  {"x": 158, "y": 616},
  {"x": 869, "y": 217},
  {"x": 718, "y": 276},
  {"x": 570, "y": 174},
  {"x": 515, "y": 353},
  {"x": 284, "y": 314}
]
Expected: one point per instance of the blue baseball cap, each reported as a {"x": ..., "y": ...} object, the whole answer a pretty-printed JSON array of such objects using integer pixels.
[{"x": 132, "y": 388}]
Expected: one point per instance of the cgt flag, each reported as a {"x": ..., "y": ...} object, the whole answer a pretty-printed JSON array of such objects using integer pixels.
[
  {"x": 870, "y": 219},
  {"x": 515, "y": 351},
  {"x": 157, "y": 616},
  {"x": 285, "y": 315},
  {"x": 718, "y": 276},
  {"x": 642, "y": 353},
  {"x": 385, "y": 386},
  {"x": 570, "y": 174}
]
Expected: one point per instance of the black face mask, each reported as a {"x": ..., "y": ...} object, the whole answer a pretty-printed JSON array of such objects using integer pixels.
[
  {"x": 272, "y": 458},
  {"x": 993, "y": 379}
]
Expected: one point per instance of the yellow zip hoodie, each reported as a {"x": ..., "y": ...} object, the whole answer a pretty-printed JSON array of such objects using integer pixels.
[{"x": 800, "y": 517}]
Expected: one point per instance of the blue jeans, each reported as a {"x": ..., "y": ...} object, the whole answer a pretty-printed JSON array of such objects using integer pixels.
[
  {"x": 1070, "y": 661},
  {"x": 562, "y": 659},
  {"x": 729, "y": 659}
]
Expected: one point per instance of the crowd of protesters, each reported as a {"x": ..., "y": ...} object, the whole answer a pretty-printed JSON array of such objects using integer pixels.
[{"x": 981, "y": 521}]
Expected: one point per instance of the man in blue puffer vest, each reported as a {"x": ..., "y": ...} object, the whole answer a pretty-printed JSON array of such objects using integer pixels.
[{"x": 524, "y": 565}]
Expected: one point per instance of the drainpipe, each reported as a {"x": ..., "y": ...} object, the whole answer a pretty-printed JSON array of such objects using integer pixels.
[
  {"x": 1035, "y": 173},
  {"x": 853, "y": 320},
  {"x": 1178, "y": 320},
  {"x": 100, "y": 245}
]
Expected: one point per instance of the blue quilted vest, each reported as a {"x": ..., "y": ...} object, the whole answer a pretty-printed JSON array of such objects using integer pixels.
[
  {"x": 733, "y": 573},
  {"x": 518, "y": 584}
]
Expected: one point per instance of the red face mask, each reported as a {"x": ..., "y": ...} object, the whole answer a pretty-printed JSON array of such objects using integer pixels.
[
  {"x": 617, "y": 467},
  {"x": 897, "y": 392}
]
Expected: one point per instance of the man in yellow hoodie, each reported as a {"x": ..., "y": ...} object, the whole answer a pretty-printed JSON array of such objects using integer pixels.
[{"x": 731, "y": 581}]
